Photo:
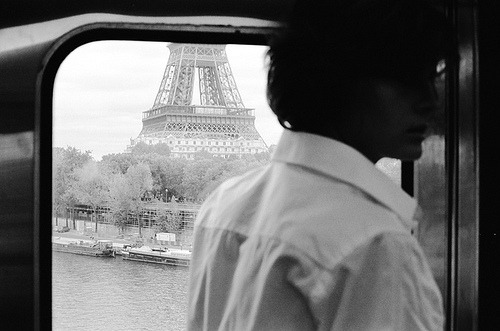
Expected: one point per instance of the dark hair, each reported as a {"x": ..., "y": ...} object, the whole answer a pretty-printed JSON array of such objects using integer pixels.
[{"x": 343, "y": 40}]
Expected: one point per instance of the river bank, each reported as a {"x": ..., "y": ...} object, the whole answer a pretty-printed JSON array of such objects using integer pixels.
[{"x": 129, "y": 240}]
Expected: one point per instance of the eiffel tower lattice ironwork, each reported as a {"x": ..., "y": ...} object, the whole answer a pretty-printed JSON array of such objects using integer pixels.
[{"x": 220, "y": 124}]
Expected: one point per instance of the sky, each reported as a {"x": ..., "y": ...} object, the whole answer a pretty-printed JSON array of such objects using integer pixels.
[{"x": 102, "y": 88}]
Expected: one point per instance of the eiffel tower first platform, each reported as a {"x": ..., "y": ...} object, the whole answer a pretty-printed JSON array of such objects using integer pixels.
[{"x": 220, "y": 124}]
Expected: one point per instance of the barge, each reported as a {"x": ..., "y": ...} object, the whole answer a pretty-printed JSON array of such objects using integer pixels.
[
  {"x": 99, "y": 248},
  {"x": 119, "y": 248},
  {"x": 173, "y": 257}
]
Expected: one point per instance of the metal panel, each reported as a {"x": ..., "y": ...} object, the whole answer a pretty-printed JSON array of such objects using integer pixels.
[
  {"x": 16, "y": 231},
  {"x": 27, "y": 71},
  {"x": 489, "y": 227},
  {"x": 20, "y": 12},
  {"x": 446, "y": 181},
  {"x": 467, "y": 199}
]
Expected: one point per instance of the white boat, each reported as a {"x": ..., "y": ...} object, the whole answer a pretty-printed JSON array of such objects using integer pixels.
[
  {"x": 100, "y": 248},
  {"x": 168, "y": 256},
  {"x": 120, "y": 248}
]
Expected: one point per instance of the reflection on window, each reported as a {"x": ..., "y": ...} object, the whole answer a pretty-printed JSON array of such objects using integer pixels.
[{"x": 391, "y": 167}]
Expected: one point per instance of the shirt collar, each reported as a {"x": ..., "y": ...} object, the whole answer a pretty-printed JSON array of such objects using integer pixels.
[{"x": 338, "y": 160}]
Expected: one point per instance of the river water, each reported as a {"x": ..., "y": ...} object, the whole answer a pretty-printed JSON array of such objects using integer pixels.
[{"x": 90, "y": 293}]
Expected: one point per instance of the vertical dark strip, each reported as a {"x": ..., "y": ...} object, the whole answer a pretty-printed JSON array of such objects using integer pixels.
[
  {"x": 489, "y": 183},
  {"x": 451, "y": 157},
  {"x": 407, "y": 177}
]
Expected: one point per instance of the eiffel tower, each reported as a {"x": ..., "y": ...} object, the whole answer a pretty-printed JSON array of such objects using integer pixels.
[{"x": 220, "y": 124}]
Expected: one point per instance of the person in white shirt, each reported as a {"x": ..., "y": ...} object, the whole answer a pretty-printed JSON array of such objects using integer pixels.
[{"x": 320, "y": 239}]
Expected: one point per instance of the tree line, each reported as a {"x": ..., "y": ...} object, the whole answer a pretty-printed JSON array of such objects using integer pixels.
[{"x": 127, "y": 182}]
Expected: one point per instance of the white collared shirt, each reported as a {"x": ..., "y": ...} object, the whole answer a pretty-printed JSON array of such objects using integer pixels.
[{"x": 319, "y": 239}]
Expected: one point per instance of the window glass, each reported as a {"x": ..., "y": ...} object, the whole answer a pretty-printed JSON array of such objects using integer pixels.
[
  {"x": 431, "y": 189},
  {"x": 119, "y": 188}
]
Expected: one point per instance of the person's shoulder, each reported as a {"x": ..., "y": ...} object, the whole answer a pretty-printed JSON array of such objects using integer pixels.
[
  {"x": 394, "y": 244},
  {"x": 337, "y": 222},
  {"x": 399, "y": 250}
]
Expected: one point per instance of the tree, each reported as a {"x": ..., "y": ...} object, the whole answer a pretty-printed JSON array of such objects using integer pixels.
[
  {"x": 168, "y": 221},
  {"x": 194, "y": 179},
  {"x": 166, "y": 173},
  {"x": 160, "y": 149},
  {"x": 118, "y": 163},
  {"x": 65, "y": 161},
  {"x": 142, "y": 148},
  {"x": 91, "y": 188},
  {"x": 203, "y": 154},
  {"x": 139, "y": 181},
  {"x": 214, "y": 176},
  {"x": 58, "y": 182},
  {"x": 119, "y": 200}
]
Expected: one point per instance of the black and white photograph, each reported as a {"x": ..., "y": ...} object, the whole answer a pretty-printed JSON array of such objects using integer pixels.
[{"x": 248, "y": 165}]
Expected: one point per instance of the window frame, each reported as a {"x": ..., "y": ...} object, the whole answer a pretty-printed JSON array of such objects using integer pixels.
[{"x": 59, "y": 50}]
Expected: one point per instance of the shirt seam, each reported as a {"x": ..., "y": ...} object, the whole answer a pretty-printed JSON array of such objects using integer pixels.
[
  {"x": 359, "y": 188},
  {"x": 318, "y": 263}
]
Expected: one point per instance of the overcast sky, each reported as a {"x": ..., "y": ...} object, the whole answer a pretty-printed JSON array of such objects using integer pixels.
[{"x": 102, "y": 88}]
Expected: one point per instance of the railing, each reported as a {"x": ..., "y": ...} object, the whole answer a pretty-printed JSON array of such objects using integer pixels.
[
  {"x": 186, "y": 212},
  {"x": 199, "y": 110}
]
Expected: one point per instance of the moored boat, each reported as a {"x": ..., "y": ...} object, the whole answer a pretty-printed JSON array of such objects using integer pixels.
[
  {"x": 100, "y": 248},
  {"x": 168, "y": 256},
  {"x": 121, "y": 249}
]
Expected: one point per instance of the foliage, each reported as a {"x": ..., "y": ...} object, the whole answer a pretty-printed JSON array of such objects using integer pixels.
[
  {"x": 194, "y": 178},
  {"x": 119, "y": 202},
  {"x": 166, "y": 173},
  {"x": 65, "y": 161},
  {"x": 139, "y": 182},
  {"x": 142, "y": 148},
  {"x": 91, "y": 187},
  {"x": 118, "y": 163},
  {"x": 199, "y": 155},
  {"x": 168, "y": 221},
  {"x": 126, "y": 194},
  {"x": 122, "y": 181}
]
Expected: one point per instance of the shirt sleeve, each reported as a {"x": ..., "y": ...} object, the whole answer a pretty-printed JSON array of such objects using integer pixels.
[{"x": 385, "y": 284}]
